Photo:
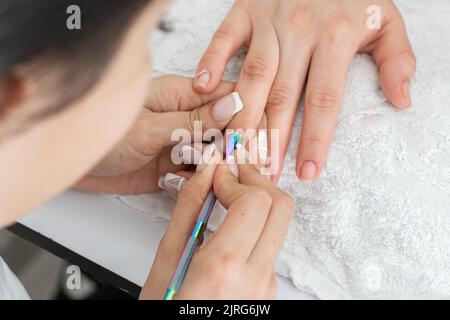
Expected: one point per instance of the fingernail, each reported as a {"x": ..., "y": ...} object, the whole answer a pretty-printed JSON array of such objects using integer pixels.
[
  {"x": 210, "y": 156},
  {"x": 308, "y": 171},
  {"x": 406, "y": 93},
  {"x": 190, "y": 155},
  {"x": 172, "y": 182},
  {"x": 227, "y": 107},
  {"x": 202, "y": 78},
  {"x": 232, "y": 165}
]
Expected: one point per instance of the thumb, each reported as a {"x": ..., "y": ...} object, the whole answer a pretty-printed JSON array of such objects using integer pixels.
[
  {"x": 175, "y": 93},
  {"x": 397, "y": 63},
  {"x": 215, "y": 115}
]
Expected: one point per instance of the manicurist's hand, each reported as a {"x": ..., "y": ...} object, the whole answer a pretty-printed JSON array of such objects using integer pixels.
[
  {"x": 291, "y": 42},
  {"x": 237, "y": 261},
  {"x": 145, "y": 154}
]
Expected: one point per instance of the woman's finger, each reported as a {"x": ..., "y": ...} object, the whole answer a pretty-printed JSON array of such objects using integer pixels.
[
  {"x": 216, "y": 115},
  {"x": 233, "y": 33},
  {"x": 190, "y": 200},
  {"x": 257, "y": 76},
  {"x": 143, "y": 180},
  {"x": 397, "y": 63},
  {"x": 326, "y": 85},
  {"x": 276, "y": 226},
  {"x": 248, "y": 208},
  {"x": 286, "y": 90},
  {"x": 175, "y": 93}
]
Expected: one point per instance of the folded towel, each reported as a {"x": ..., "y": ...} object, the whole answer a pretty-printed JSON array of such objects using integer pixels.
[{"x": 376, "y": 224}]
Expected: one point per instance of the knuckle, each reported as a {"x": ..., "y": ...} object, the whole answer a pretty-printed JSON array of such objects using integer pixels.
[
  {"x": 176, "y": 96},
  {"x": 322, "y": 99},
  {"x": 227, "y": 258},
  {"x": 300, "y": 19},
  {"x": 255, "y": 69},
  {"x": 338, "y": 30},
  {"x": 314, "y": 140},
  {"x": 225, "y": 32},
  {"x": 280, "y": 96}
]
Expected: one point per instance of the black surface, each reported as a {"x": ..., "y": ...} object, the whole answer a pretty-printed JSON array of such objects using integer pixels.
[{"x": 92, "y": 269}]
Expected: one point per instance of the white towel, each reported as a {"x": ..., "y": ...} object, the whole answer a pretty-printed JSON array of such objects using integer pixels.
[{"x": 376, "y": 224}]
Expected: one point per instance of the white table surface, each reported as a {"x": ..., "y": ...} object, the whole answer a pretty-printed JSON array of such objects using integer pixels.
[{"x": 116, "y": 237}]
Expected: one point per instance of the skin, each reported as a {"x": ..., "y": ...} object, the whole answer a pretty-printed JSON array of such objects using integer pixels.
[
  {"x": 118, "y": 134},
  {"x": 238, "y": 260},
  {"x": 306, "y": 47}
]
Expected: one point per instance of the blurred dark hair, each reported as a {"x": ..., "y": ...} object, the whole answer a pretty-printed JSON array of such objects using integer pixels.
[{"x": 33, "y": 33}]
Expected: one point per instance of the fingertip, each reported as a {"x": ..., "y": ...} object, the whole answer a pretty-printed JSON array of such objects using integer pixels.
[
  {"x": 395, "y": 76},
  {"x": 398, "y": 94},
  {"x": 223, "y": 177},
  {"x": 308, "y": 171},
  {"x": 202, "y": 80},
  {"x": 208, "y": 76}
]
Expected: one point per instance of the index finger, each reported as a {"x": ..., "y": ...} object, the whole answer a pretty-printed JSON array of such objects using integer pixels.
[
  {"x": 272, "y": 237},
  {"x": 257, "y": 75},
  {"x": 248, "y": 208}
]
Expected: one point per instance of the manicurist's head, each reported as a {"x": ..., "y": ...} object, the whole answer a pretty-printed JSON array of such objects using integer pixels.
[{"x": 67, "y": 96}]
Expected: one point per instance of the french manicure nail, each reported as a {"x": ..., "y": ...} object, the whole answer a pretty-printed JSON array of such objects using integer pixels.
[
  {"x": 172, "y": 182},
  {"x": 406, "y": 93},
  {"x": 308, "y": 171},
  {"x": 227, "y": 107},
  {"x": 202, "y": 78},
  {"x": 209, "y": 156},
  {"x": 190, "y": 155}
]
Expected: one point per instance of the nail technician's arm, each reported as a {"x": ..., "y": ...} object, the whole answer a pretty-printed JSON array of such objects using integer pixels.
[
  {"x": 237, "y": 261},
  {"x": 136, "y": 163},
  {"x": 296, "y": 41}
]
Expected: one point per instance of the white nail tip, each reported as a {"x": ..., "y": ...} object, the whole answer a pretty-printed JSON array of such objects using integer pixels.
[
  {"x": 161, "y": 184},
  {"x": 238, "y": 104},
  {"x": 201, "y": 72},
  {"x": 190, "y": 155},
  {"x": 171, "y": 182}
]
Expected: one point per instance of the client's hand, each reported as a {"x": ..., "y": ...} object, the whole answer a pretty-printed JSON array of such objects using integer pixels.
[
  {"x": 237, "y": 261},
  {"x": 296, "y": 42},
  {"x": 144, "y": 155}
]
